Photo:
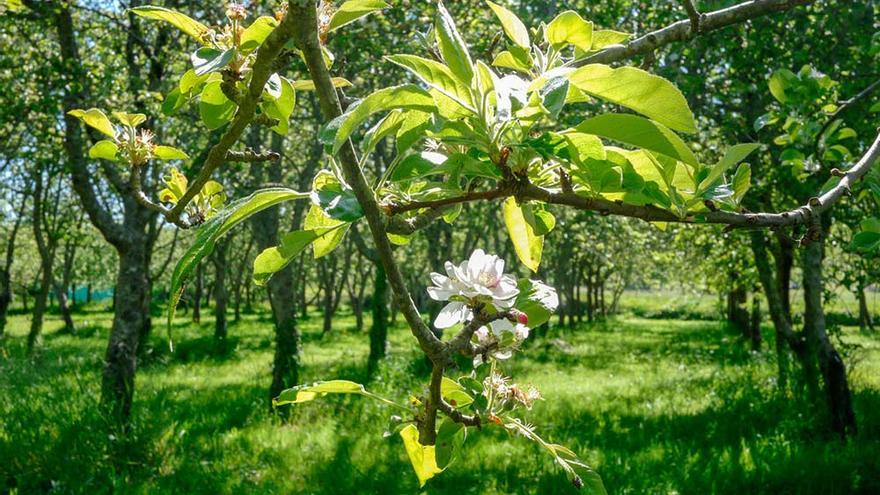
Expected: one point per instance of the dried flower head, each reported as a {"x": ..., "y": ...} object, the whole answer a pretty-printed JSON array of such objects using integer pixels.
[{"x": 236, "y": 11}]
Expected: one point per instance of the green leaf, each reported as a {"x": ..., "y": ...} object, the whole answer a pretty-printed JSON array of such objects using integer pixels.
[
  {"x": 183, "y": 22},
  {"x": 206, "y": 59},
  {"x": 173, "y": 102},
  {"x": 637, "y": 90},
  {"x": 130, "y": 119},
  {"x": 309, "y": 85},
  {"x": 218, "y": 225},
  {"x": 544, "y": 223},
  {"x": 307, "y": 393},
  {"x": 316, "y": 219},
  {"x": 214, "y": 107},
  {"x": 454, "y": 393},
  {"x": 336, "y": 199},
  {"x": 422, "y": 457},
  {"x": 353, "y": 10},
  {"x": 537, "y": 300},
  {"x": 553, "y": 95},
  {"x": 508, "y": 60},
  {"x": 437, "y": 76},
  {"x": 866, "y": 241},
  {"x": 169, "y": 153},
  {"x": 96, "y": 119},
  {"x": 526, "y": 242},
  {"x": 606, "y": 37},
  {"x": 732, "y": 156},
  {"x": 452, "y": 47},
  {"x": 105, "y": 149},
  {"x": 450, "y": 437},
  {"x": 408, "y": 96},
  {"x": 742, "y": 180},
  {"x": 274, "y": 259},
  {"x": 641, "y": 132},
  {"x": 417, "y": 165},
  {"x": 569, "y": 28},
  {"x": 780, "y": 82},
  {"x": 870, "y": 225},
  {"x": 256, "y": 33},
  {"x": 513, "y": 26},
  {"x": 281, "y": 107}
]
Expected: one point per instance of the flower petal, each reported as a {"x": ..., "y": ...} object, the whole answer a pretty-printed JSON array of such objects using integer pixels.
[{"x": 452, "y": 314}]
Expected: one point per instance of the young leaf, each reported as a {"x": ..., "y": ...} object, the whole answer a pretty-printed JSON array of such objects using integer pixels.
[
  {"x": 169, "y": 153},
  {"x": 307, "y": 393},
  {"x": 336, "y": 199},
  {"x": 437, "y": 76},
  {"x": 214, "y": 107},
  {"x": 353, "y": 10},
  {"x": 605, "y": 37},
  {"x": 526, "y": 243},
  {"x": 105, "y": 149},
  {"x": 422, "y": 457},
  {"x": 96, "y": 119},
  {"x": 569, "y": 28},
  {"x": 206, "y": 59},
  {"x": 866, "y": 241},
  {"x": 274, "y": 259},
  {"x": 130, "y": 119},
  {"x": 641, "y": 132},
  {"x": 732, "y": 156},
  {"x": 309, "y": 85},
  {"x": 780, "y": 82},
  {"x": 316, "y": 219},
  {"x": 281, "y": 107},
  {"x": 742, "y": 179},
  {"x": 217, "y": 226},
  {"x": 408, "y": 96},
  {"x": 450, "y": 437},
  {"x": 183, "y": 22},
  {"x": 452, "y": 47},
  {"x": 256, "y": 33},
  {"x": 454, "y": 393},
  {"x": 637, "y": 90},
  {"x": 513, "y": 27}
]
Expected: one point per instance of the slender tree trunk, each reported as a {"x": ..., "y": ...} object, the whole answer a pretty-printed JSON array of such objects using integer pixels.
[
  {"x": 64, "y": 306},
  {"x": 755, "y": 326},
  {"x": 833, "y": 369},
  {"x": 379, "y": 327},
  {"x": 5, "y": 299},
  {"x": 131, "y": 322},
  {"x": 865, "y": 321},
  {"x": 35, "y": 335},
  {"x": 198, "y": 288},
  {"x": 220, "y": 295}
]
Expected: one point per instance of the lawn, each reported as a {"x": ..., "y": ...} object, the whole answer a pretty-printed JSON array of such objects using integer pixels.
[{"x": 654, "y": 405}]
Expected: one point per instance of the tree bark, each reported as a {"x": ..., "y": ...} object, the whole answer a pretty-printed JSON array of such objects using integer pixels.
[
  {"x": 198, "y": 289},
  {"x": 131, "y": 322},
  {"x": 843, "y": 420},
  {"x": 379, "y": 327},
  {"x": 865, "y": 321},
  {"x": 220, "y": 294}
]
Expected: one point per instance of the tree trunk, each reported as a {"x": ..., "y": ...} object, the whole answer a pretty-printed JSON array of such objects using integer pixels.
[
  {"x": 379, "y": 327},
  {"x": 220, "y": 295},
  {"x": 131, "y": 322},
  {"x": 61, "y": 295},
  {"x": 865, "y": 321},
  {"x": 755, "y": 326},
  {"x": 843, "y": 418},
  {"x": 198, "y": 288},
  {"x": 35, "y": 335},
  {"x": 785, "y": 339},
  {"x": 5, "y": 299}
]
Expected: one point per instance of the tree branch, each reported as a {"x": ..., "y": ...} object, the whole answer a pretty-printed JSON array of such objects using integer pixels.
[
  {"x": 681, "y": 30},
  {"x": 262, "y": 69},
  {"x": 848, "y": 104},
  {"x": 250, "y": 155},
  {"x": 306, "y": 38}
]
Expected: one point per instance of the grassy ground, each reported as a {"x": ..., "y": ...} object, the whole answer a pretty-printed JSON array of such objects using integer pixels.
[{"x": 656, "y": 406}]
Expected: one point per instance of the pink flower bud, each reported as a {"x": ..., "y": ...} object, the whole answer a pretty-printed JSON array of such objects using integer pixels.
[{"x": 522, "y": 318}]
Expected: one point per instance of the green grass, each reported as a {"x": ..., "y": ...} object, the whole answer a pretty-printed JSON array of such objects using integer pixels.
[{"x": 656, "y": 406}]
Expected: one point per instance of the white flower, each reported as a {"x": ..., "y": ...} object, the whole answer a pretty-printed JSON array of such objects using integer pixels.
[{"x": 493, "y": 336}]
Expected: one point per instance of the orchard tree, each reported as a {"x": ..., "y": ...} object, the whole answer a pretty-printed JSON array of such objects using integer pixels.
[{"x": 469, "y": 130}]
